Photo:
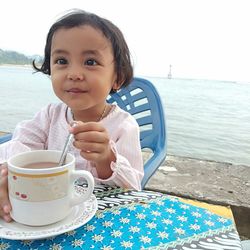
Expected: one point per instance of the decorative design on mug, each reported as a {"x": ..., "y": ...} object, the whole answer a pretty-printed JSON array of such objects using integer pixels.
[
  {"x": 48, "y": 187},
  {"x": 24, "y": 196},
  {"x": 37, "y": 175},
  {"x": 21, "y": 196}
]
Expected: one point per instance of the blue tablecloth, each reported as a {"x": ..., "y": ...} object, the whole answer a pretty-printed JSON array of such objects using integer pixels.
[{"x": 129, "y": 219}]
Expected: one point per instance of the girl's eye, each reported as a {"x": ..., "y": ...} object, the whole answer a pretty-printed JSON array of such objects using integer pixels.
[
  {"x": 61, "y": 61},
  {"x": 91, "y": 62}
]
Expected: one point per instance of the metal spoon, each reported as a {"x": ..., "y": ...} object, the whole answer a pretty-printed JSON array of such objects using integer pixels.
[{"x": 66, "y": 147}]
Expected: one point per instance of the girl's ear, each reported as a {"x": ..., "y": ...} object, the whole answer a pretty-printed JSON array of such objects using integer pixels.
[{"x": 116, "y": 86}]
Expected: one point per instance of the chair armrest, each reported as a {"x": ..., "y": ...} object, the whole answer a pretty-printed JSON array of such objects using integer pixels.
[
  {"x": 152, "y": 165},
  {"x": 5, "y": 138}
]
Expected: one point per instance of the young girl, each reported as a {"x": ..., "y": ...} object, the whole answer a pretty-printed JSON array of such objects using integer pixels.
[{"x": 87, "y": 58}]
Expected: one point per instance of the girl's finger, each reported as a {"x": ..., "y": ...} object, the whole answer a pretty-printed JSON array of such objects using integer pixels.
[
  {"x": 6, "y": 208},
  {"x": 90, "y": 156},
  {"x": 92, "y": 136},
  {"x": 4, "y": 172},
  {"x": 89, "y": 146},
  {"x": 88, "y": 126},
  {"x": 7, "y": 218}
]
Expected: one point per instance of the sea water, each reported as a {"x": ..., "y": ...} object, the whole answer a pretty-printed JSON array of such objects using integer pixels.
[{"x": 205, "y": 119}]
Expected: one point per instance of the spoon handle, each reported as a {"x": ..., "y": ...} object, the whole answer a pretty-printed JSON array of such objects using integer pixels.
[{"x": 66, "y": 147}]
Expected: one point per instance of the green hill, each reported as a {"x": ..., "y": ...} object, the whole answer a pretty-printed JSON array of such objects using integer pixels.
[{"x": 13, "y": 57}]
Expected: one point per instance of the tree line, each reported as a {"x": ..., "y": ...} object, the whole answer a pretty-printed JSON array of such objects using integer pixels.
[{"x": 13, "y": 57}]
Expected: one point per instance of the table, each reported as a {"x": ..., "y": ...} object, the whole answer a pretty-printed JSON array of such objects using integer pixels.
[{"x": 128, "y": 219}]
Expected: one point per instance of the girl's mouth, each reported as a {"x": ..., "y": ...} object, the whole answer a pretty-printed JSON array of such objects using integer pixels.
[{"x": 76, "y": 91}]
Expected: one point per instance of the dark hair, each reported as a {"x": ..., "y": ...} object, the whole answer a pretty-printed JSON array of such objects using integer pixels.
[{"x": 123, "y": 65}]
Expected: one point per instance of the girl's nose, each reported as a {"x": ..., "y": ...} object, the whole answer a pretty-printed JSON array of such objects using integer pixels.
[{"x": 75, "y": 75}]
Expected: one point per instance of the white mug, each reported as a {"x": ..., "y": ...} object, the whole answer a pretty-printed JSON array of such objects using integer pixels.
[{"x": 40, "y": 191}]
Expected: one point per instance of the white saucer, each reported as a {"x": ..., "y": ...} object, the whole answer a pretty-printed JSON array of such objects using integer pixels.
[{"x": 78, "y": 216}]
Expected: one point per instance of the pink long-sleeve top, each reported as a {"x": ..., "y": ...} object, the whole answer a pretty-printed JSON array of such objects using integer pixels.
[{"x": 49, "y": 130}]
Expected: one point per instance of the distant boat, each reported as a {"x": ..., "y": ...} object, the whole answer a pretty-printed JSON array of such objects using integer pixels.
[{"x": 170, "y": 73}]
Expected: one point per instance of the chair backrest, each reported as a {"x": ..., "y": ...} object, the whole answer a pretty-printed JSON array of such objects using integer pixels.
[{"x": 142, "y": 100}]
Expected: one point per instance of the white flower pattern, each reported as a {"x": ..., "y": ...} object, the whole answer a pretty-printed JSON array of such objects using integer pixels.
[
  {"x": 55, "y": 246},
  {"x": 145, "y": 239},
  {"x": 116, "y": 233},
  {"x": 124, "y": 220},
  {"x": 151, "y": 225},
  {"x": 140, "y": 216},
  {"x": 107, "y": 224},
  {"x": 134, "y": 229},
  {"x": 77, "y": 242},
  {"x": 194, "y": 227},
  {"x": 209, "y": 223},
  {"x": 163, "y": 235},
  {"x": 179, "y": 231},
  {"x": 97, "y": 237},
  {"x": 127, "y": 244},
  {"x": 167, "y": 221},
  {"x": 107, "y": 248}
]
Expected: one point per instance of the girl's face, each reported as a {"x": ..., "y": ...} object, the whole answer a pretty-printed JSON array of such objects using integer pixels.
[{"x": 82, "y": 69}]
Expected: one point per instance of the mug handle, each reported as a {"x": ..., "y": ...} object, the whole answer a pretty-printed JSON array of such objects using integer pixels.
[{"x": 76, "y": 199}]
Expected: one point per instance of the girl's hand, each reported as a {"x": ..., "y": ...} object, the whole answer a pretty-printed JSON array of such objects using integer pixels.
[
  {"x": 5, "y": 206},
  {"x": 92, "y": 140}
]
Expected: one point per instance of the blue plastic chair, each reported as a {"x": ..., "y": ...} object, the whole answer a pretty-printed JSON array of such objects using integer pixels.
[
  {"x": 5, "y": 137},
  {"x": 141, "y": 99}
]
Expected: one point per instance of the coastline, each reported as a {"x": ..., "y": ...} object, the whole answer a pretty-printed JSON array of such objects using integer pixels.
[{"x": 16, "y": 65}]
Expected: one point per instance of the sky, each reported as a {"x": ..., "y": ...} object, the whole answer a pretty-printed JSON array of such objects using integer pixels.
[{"x": 200, "y": 39}]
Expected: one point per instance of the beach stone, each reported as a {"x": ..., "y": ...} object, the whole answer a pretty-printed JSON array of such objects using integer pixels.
[{"x": 209, "y": 181}]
